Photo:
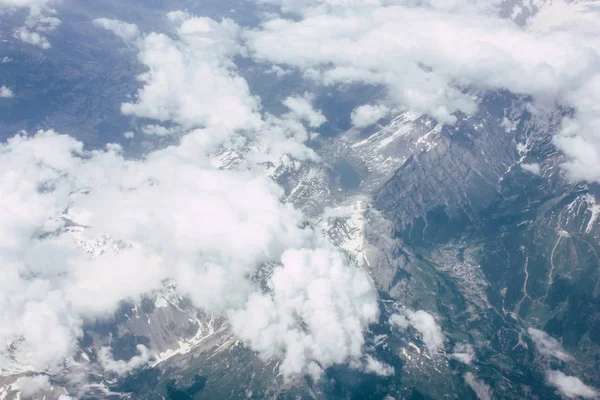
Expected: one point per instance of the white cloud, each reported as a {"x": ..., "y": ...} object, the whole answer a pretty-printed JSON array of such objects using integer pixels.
[
  {"x": 400, "y": 321},
  {"x": 431, "y": 55},
  {"x": 531, "y": 168},
  {"x": 277, "y": 70},
  {"x": 430, "y": 331},
  {"x": 464, "y": 353},
  {"x": 122, "y": 29},
  {"x": 191, "y": 79},
  {"x": 158, "y": 130},
  {"x": 315, "y": 316},
  {"x": 40, "y": 20},
  {"x": 192, "y": 82},
  {"x": 482, "y": 390},
  {"x": 6, "y": 59},
  {"x": 373, "y": 366},
  {"x": 173, "y": 216},
  {"x": 424, "y": 323},
  {"x": 5, "y": 93},
  {"x": 32, "y": 37},
  {"x": 208, "y": 230},
  {"x": 571, "y": 386},
  {"x": 129, "y": 135},
  {"x": 301, "y": 108},
  {"x": 122, "y": 367},
  {"x": 32, "y": 385},
  {"x": 366, "y": 115},
  {"x": 547, "y": 345}
]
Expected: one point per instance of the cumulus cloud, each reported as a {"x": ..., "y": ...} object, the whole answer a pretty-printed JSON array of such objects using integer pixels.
[
  {"x": 32, "y": 37},
  {"x": 531, "y": 168},
  {"x": 5, "y": 92},
  {"x": 170, "y": 215},
  {"x": 482, "y": 390},
  {"x": 424, "y": 323},
  {"x": 366, "y": 115},
  {"x": 571, "y": 386},
  {"x": 29, "y": 386},
  {"x": 277, "y": 70},
  {"x": 122, "y": 367},
  {"x": 373, "y": 366},
  {"x": 400, "y": 321},
  {"x": 191, "y": 79},
  {"x": 315, "y": 316},
  {"x": 122, "y": 29},
  {"x": 547, "y": 345},
  {"x": 158, "y": 130},
  {"x": 301, "y": 108},
  {"x": 40, "y": 20},
  {"x": 432, "y": 56},
  {"x": 192, "y": 82},
  {"x": 180, "y": 219},
  {"x": 464, "y": 352}
]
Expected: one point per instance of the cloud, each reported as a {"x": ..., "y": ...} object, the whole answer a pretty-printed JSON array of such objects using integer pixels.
[
  {"x": 170, "y": 215},
  {"x": 40, "y": 20},
  {"x": 32, "y": 37},
  {"x": 425, "y": 324},
  {"x": 277, "y": 70},
  {"x": 482, "y": 390},
  {"x": 5, "y": 93},
  {"x": 315, "y": 316},
  {"x": 121, "y": 367},
  {"x": 301, "y": 108},
  {"x": 400, "y": 321},
  {"x": 373, "y": 366},
  {"x": 434, "y": 56},
  {"x": 125, "y": 31},
  {"x": 177, "y": 218},
  {"x": 32, "y": 385},
  {"x": 547, "y": 345},
  {"x": 158, "y": 130},
  {"x": 571, "y": 386},
  {"x": 192, "y": 82},
  {"x": 366, "y": 115},
  {"x": 531, "y": 168},
  {"x": 430, "y": 331},
  {"x": 191, "y": 79},
  {"x": 464, "y": 353}
]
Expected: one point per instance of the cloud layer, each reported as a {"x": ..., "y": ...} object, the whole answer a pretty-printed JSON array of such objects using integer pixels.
[
  {"x": 170, "y": 215},
  {"x": 434, "y": 56}
]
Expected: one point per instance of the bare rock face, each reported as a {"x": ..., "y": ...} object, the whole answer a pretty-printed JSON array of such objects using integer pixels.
[{"x": 461, "y": 173}]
